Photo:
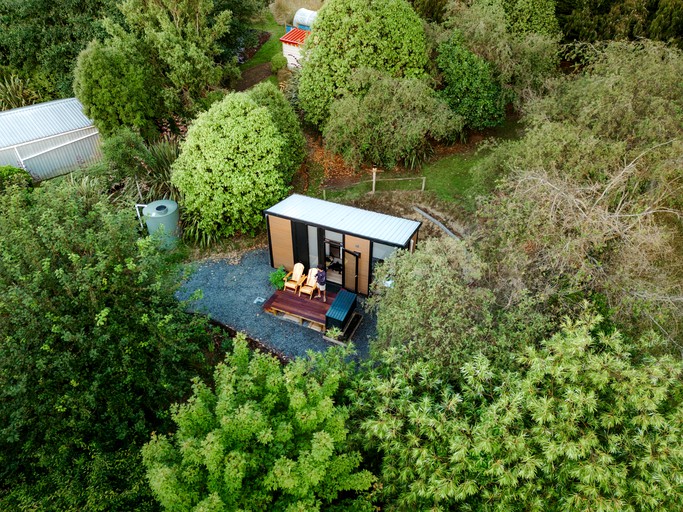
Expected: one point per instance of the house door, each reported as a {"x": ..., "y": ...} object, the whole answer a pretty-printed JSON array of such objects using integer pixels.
[{"x": 350, "y": 270}]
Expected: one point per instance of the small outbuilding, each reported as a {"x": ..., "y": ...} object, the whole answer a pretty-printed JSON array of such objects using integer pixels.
[
  {"x": 349, "y": 240},
  {"x": 292, "y": 42},
  {"x": 48, "y": 139}
]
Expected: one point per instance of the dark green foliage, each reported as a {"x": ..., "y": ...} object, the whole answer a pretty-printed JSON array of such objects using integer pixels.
[
  {"x": 430, "y": 10},
  {"x": 140, "y": 171},
  {"x": 266, "y": 438},
  {"x": 93, "y": 348},
  {"x": 385, "y": 121},
  {"x": 521, "y": 62},
  {"x": 583, "y": 426},
  {"x": 232, "y": 166},
  {"x": 184, "y": 36},
  {"x": 266, "y": 94},
  {"x": 12, "y": 176},
  {"x": 470, "y": 88},
  {"x": 440, "y": 307},
  {"x": 41, "y": 38},
  {"x": 531, "y": 16},
  {"x": 385, "y": 35},
  {"x": 118, "y": 86},
  {"x": 586, "y": 20}
]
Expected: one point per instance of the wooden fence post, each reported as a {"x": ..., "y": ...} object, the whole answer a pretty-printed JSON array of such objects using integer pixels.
[
  {"x": 424, "y": 179},
  {"x": 374, "y": 178}
]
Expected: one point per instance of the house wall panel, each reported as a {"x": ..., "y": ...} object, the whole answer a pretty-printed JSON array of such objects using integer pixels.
[{"x": 281, "y": 242}]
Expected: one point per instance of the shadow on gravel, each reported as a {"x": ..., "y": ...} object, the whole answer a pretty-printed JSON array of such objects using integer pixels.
[{"x": 233, "y": 296}]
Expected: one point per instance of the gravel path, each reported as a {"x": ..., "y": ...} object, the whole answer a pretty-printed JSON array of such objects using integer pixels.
[{"x": 231, "y": 296}]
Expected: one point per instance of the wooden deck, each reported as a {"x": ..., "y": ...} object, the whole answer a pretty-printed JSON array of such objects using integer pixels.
[{"x": 309, "y": 312}]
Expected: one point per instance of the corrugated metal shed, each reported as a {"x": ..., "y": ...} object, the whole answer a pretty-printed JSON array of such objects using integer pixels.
[
  {"x": 382, "y": 228},
  {"x": 48, "y": 139}
]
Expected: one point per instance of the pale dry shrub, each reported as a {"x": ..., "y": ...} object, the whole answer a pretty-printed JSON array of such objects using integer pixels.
[{"x": 284, "y": 10}]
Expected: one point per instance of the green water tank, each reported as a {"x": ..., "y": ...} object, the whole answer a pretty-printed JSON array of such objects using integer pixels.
[{"x": 163, "y": 216}]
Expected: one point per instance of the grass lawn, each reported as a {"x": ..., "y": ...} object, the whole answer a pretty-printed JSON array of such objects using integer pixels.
[
  {"x": 451, "y": 178},
  {"x": 272, "y": 46}
]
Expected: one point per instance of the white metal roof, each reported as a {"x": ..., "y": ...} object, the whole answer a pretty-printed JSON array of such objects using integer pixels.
[
  {"x": 43, "y": 120},
  {"x": 346, "y": 219}
]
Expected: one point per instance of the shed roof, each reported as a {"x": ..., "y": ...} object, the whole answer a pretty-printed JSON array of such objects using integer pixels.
[
  {"x": 26, "y": 124},
  {"x": 296, "y": 36},
  {"x": 383, "y": 228}
]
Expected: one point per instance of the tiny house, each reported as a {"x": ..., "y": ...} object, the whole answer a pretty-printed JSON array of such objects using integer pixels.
[{"x": 348, "y": 240}]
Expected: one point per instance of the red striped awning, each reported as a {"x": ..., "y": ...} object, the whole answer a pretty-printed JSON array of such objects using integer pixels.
[{"x": 296, "y": 36}]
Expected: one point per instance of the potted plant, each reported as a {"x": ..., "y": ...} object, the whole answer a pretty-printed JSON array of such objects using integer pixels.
[
  {"x": 277, "y": 278},
  {"x": 334, "y": 334}
]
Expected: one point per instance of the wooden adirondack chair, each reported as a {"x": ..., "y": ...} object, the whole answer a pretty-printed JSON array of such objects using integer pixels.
[
  {"x": 295, "y": 278},
  {"x": 311, "y": 284}
]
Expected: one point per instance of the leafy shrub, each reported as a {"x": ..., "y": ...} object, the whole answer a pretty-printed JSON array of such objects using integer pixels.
[
  {"x": 532, "y": 16},
  {"x": 138, "y": 170},
  {"x": 266, "y": 94},
  {"x": 12, "y": 176},
  {"x": 278, "y": 62},
  {"x": 384, "y": 121},
  {"x": 441, "y": 307},
  {"x": 470, "y": 87},
  {"x": 277, "y": 278},
  {"x": 522, "y": 62},
  {"x": 267, "y": 438},
  {"x": 231, "y": 167},
  {"x": 386, "y": 35}
]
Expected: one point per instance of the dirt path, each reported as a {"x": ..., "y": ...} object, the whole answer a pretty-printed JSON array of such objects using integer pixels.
[{"x": 252, "y": 76}]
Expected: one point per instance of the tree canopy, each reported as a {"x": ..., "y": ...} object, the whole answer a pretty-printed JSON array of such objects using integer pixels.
[
  {"x": 385, "y": 35},
  {"x": 93, "y": 348},
  {"x": 584, "y": 425},
  {"x": 266, "y": 438}
]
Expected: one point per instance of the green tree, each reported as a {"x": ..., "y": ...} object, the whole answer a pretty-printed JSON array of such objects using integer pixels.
[
  {"x": 384, "y": 121},
  {"x": 41, "y": 39},
  {"x": 93, "y": 349},
  {"x": 266, "y": 94},
  {"x": 185, "y": 35},
  {"x": 266, "y": 438},
  {"x": 470, "y": 88},
  {"x": 585, "y": 425},
  {"x": 231, "y": 167},
  {"x": 118, "y": 86},
  {"x": 385, "y": 35},
  {"x": 590, "y": 194},
  {"x": 441, "y": 307},
  {"x": 584, "y": 20},
  {"x": 522, "y": 63}
]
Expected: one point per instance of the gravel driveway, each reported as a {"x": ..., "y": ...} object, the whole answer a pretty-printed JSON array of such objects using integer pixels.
[{"x": 233, "y": 295}]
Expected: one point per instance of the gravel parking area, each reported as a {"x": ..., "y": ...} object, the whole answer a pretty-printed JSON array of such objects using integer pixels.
[{"x": 233, "y": 295}]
